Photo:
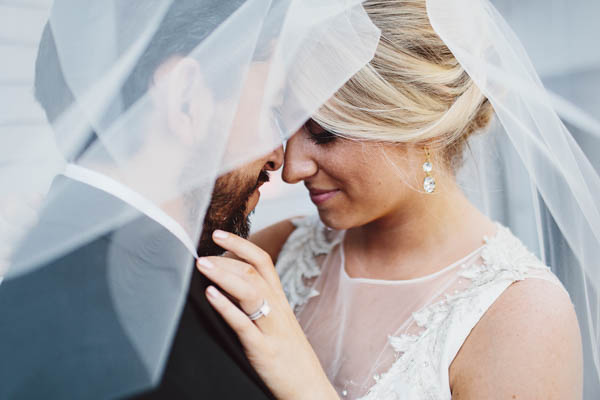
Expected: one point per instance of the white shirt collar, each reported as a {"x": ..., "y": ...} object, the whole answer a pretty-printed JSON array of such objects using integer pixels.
[{"x": 132, "y": 198}]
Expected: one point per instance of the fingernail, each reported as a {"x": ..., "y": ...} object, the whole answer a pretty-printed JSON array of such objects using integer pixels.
[
  {"x": 212, "y": 292},
  {"x": 219, "y": 234},
  {"x": 204, "y": 263}
]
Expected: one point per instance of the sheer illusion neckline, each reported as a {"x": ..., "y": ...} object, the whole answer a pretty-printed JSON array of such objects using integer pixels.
[{"x": 420, "y": 279}]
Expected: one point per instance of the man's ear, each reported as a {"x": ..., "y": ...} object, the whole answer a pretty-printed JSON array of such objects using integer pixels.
[{"x": 188, "y": 101}]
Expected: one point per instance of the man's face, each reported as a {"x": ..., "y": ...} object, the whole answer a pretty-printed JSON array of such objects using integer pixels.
[
  {"x": 236, "y": 194},
  {"x": 234, "y": 197}
]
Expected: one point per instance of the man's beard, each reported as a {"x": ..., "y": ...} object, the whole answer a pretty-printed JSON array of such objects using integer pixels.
[{"x": 227, "y": 210}]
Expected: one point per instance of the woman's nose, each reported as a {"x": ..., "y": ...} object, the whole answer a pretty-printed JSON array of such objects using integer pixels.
[{"x": 298, "y": 163}]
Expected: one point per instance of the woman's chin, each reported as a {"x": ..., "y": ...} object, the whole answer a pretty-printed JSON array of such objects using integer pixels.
[{"x": 333, "y": 219}]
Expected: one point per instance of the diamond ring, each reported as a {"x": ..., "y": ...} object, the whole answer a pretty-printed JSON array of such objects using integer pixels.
[{"x": 263, "y": 311}]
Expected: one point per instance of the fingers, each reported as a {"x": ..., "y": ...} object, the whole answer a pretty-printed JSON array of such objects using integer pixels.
[
  {"x": 241, "y": 281},
  {"x": 249, "y": 334},
  {"x": 248, "y": 251},
  {"x": 237, "y": 278}
]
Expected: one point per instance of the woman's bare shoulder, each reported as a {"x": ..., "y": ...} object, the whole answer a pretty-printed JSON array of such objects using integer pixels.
[
  {"x": 272, "y": 238},
  {"x": 514, "y": 350}
]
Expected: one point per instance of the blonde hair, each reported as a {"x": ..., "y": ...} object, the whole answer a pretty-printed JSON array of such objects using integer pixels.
[{"x": 412, "y": 91}]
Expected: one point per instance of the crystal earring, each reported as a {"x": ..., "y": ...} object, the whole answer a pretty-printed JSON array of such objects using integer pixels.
[{"x": 429, "y": 181}]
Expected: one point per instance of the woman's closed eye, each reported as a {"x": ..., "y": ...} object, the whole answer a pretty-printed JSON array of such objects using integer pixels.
[
  {"x": 323, "y": 137},
  {"x": 319, "y": 135}
]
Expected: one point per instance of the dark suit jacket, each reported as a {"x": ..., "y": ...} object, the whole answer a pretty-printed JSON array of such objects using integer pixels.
[
  {"x": 73, "y": 328},
  {"x": 206, "y": 360}
]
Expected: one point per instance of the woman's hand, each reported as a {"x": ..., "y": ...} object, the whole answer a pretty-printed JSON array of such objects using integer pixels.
[{"x": 275, "y": 343}]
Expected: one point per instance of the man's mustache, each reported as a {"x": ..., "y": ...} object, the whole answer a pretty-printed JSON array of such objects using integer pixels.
[{"x": 263, "y": 177}]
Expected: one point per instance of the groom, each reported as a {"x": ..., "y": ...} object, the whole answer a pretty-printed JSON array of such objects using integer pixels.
[{"x": 61, "y": 335}]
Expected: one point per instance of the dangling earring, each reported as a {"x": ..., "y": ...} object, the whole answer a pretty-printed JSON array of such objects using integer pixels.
[{"x": 428, "y": 182}]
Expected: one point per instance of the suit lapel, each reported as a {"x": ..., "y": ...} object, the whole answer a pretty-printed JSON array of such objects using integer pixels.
[{"x": 218, "y": 328}]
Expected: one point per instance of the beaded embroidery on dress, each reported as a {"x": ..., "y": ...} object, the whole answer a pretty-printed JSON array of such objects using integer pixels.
[{"x": 382, "y": 339}]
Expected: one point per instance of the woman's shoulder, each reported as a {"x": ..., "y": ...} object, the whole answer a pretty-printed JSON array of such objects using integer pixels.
[
  {"x": 529, "y": 330},
  {"x": 295, "y": 245},
  {"x": 272, "y": 238},
  {"x": 305, "y": 233},
  {"x": 527, "y": 327}
]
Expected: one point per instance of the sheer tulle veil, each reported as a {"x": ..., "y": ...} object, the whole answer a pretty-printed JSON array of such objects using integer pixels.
[
  {"x": 81, "y": 97},
  {"x": 561, "y": 187}
]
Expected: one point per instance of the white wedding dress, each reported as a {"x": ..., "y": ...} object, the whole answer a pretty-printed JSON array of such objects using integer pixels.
[{"x": 381, "y": 339}]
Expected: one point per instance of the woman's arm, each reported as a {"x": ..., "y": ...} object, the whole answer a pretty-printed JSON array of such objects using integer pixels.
[
  {"x": 526, "y": 346},
  {"x": 272, "y": 238}
]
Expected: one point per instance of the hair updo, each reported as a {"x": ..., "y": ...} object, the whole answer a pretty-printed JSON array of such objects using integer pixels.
[{"x": 412, "y": 91}]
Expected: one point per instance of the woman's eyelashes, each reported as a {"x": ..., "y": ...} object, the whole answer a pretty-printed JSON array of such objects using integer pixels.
[
  {"x": 322, "y": 137},
  {"x": 317, "y": 134}
]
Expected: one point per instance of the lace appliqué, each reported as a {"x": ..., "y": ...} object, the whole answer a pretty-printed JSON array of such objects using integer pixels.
[
  {"x": 297, "y": 261},
  {"x": 507, "y": 259},
  {"x": 420, "y": 362}
]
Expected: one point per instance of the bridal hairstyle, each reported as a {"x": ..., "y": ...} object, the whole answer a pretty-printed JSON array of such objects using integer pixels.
[{"x": 413, "y": 90}]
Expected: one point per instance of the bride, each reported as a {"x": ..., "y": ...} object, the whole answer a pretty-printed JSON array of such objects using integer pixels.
[{"x": 401, "y": 288}]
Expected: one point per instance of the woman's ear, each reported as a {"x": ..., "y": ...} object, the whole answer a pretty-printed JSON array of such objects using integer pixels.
[{"x": 187, "y": 100}]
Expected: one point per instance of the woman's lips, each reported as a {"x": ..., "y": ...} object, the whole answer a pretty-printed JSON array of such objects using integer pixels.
[{"x": 319, "y": 196}]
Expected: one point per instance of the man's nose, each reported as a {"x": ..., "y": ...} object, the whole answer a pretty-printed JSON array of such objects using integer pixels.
[
  {"x": 274, "y": 159},
  {"x": 298, "y": 165}
]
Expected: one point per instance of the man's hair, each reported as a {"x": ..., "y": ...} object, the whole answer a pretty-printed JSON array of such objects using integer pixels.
[{"x": 184, "y": 26}]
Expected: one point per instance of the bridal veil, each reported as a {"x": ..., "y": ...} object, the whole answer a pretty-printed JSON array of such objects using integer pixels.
[
  {"x": 250, "y": 73},
  {"x": 551, "y": 187}
]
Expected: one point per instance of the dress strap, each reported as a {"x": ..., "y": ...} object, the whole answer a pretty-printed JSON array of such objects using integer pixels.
[
  {"x": 504, "y": 261},
  {"x": 461, "y": 322}
]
